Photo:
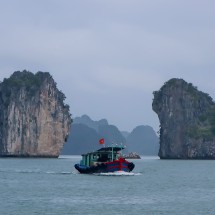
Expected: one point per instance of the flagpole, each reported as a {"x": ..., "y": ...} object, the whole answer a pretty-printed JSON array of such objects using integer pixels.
[{"x": 112, "y": 151}]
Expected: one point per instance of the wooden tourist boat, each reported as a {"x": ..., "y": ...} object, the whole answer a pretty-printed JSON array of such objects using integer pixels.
[{"x": 104, "y": 160}]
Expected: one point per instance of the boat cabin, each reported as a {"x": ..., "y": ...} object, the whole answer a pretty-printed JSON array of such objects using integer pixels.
[{"x": 105, "y": 154}]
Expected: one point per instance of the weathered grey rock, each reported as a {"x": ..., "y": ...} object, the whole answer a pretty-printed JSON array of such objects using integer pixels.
[
  {"x": 187, "y": 121},
  {"x": 34, "y": 121}
]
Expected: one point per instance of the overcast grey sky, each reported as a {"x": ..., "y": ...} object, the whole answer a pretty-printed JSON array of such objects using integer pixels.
[{"x": 108, "y": 56}]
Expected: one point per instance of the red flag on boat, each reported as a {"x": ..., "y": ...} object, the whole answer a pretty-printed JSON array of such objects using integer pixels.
[{"x": 102, "y": 141}]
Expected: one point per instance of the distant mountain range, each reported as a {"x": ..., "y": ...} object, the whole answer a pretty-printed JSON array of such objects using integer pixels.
[
  {"x": 143, "y": 140},
  {"x": 85, "y": 134}
]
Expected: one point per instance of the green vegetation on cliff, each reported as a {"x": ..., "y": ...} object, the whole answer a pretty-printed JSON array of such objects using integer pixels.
[
  {"x": 206, "y": 126},
  {"x": 34, "y": 120},
  {"x": 25, "y": 79},
  {"x": 22, "y": 80},
  {"x": 187, "y": 121},
  {"x": 30, "y": 83},
  {"x": 204, "y": 117}
]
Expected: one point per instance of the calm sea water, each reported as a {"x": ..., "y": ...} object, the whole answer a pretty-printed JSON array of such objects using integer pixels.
[{"x": 52, "y": 186}]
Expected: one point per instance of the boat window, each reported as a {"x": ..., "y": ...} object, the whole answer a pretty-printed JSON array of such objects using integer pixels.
[
  {"x": 103, "y": 158},
  {"x": 96, "y": 156}
]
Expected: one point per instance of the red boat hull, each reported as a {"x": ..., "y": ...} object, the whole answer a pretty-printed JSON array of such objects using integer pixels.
[{"x": 117, "y": 165}]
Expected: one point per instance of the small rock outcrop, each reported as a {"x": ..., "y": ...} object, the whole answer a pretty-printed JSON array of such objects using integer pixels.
[
  {"x": 132, "y": 155},
  {"x": 34, "y": 121},
  {"x": 187, "y": 121}
]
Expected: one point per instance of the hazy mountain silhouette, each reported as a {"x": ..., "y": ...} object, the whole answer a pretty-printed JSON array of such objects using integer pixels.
[
  {"x": 82, "y": 139},
  {"x": 125, "y": 134},
  {"x": 111, "y": 134},
  {"x": 143, "y": 140},
  {"x": 85, "y": 134},
  {"x": 86, "y": 120}
]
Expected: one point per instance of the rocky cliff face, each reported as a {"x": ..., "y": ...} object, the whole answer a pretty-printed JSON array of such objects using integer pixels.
[
  {"x": 34, "y": 121},
  {"x": 187, "y": 121}
]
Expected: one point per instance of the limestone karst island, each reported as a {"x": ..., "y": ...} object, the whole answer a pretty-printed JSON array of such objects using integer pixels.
[
  {"x": 34, "y": 121},
  {"x": 187, "y": 121}
]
